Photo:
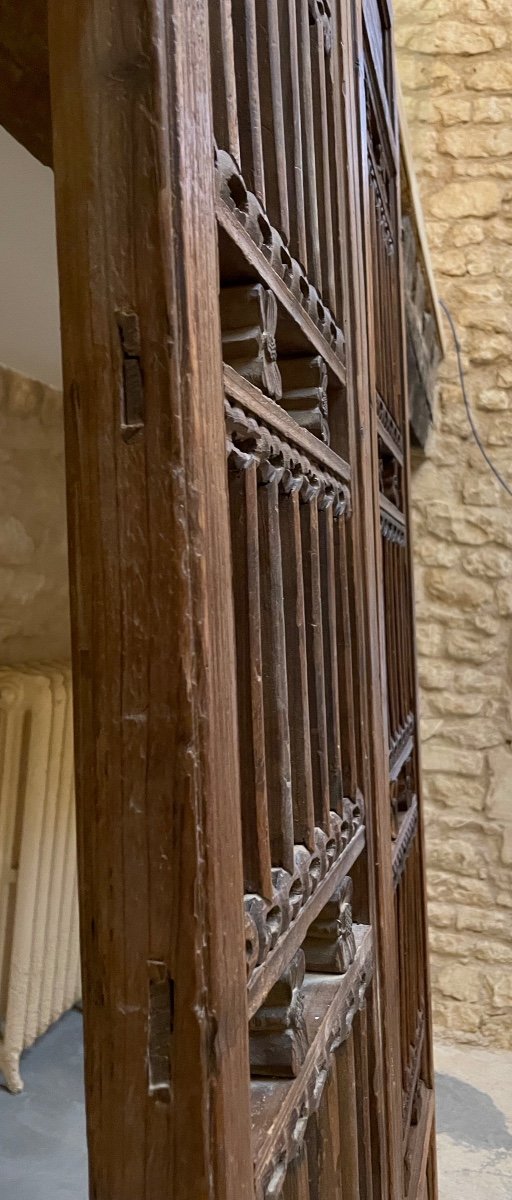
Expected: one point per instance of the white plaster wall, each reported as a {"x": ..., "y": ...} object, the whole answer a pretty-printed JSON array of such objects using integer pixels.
[{"x": 29, "y": 305}]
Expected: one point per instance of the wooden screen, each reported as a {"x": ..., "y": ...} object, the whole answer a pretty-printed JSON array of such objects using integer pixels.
[
  {"x": 394, "y": 583},
  {"x": 249, "y": 811},
  {"x": 282, "y": 172}
]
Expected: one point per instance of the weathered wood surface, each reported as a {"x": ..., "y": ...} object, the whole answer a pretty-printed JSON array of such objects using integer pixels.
[
  {"x": 153, "y": 632},
  {"x": 210, "y": 809}
]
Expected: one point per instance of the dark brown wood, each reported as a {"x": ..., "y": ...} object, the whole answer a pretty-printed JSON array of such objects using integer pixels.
[
  {"x": 330, "y": 944},
  {"x": 275, "y": 684},
  {"x": 305, "y": 393},
  {"x": 24, "y": 77},
  {"x": 243, "y": 636},
  {"x": 359, "y": 297},
  {"x": 157, "y": 772},
  {"x": 297, "y": 671},
  {"x": 347, "y": 1088},
  {"x": 223, "y": 76},
  {"x": 331, "y": 642},
  {"x": 364, "y": 1138},
  {"x": 278, "y": 1040},
  {"x": 296, "y": 1185},
  {"x": 249, "y": 319},
  {"x": 251, "y": 722},
  {"x": 316, "y": 668}
]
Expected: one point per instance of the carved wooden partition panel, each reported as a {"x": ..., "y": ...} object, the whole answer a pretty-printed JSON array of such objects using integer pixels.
[
  {"x": 394, "y": 582},
  {"x": 255, "y": 989}
]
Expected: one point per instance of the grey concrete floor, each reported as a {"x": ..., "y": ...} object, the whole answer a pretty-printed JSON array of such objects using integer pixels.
[
  {"x": 42, "y": 1131},
  {"x": 474, "y": 1123}
]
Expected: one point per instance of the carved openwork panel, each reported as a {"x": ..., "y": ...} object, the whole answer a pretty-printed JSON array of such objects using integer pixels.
[{"x": 278, "y": 100}]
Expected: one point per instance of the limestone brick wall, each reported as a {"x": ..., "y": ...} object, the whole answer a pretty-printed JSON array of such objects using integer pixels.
[
  {"x": 455, "y": 61},
  {"x": 34, "y": 604}
]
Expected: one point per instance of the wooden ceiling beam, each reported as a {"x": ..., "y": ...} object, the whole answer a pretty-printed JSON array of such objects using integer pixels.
[{"x": 24, "y": 76}]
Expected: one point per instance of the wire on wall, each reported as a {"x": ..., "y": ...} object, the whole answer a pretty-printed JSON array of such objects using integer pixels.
[{"x": 458, "y": 349}]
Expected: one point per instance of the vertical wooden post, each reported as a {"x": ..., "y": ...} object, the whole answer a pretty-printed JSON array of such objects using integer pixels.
[
  {"x": 157, "y": 772},
  {"x": 359, "y": 347}
]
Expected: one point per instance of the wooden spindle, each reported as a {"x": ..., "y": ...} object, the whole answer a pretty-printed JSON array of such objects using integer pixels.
[
  {"x": 324, "y": 1145},
  {"x": 297, "y": 670},
  {"x": 272, "y": 114},
  {"x": 335, "y": 99},
  {"x": 346, "y": 683},
  {"x": 278, "y": 1037},
  {"x": 389, "y": 634},
  {"x": 347, "y": 1089},
  {"x": 225, "y": 108},
  {"x": 321, "y": 125},
  {"x": 251, "y": 723},
  {"x": 275, "y": 686},
  {"x": 296, "y": 1185},
  {"x": 363, "y": 1105},
  {"x": 248, "y": 88},
  {"x": 315, "y": 649},
  {"x": 304, "y": 388},
  {"x": 308, "y": 148},
  {"x": 293, "y": 127},
  {"x": 330, "y": 640}
]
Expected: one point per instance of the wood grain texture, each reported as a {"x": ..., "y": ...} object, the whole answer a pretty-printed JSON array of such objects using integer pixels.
[
  {"x": 275, "y": 683},
  {"x": 251, "y": 720},
  {"x": 157, "y": 771},
  {"x": 374, "y": 766},
  {"x": 297, "y": 672}
]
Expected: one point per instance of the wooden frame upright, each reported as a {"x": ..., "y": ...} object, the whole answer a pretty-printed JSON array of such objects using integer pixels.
[{"x": 251, "y": 856}]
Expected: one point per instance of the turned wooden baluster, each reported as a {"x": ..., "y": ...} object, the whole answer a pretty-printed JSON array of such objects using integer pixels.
[
  {"x": 251, "y": 723},
  {"x": 272, "y": 115},
  {"x": 278, "y": 1040},
  {"x": 330, "y": 639},
  {"x": 275, "y": 684},
  {"x": 315, "y": 648},
  {"x": 223, "y": 76},
  {"x": 249, "y": 323},
  {"x": 296, "y": 663},
  {"x": 304, "y": 382}
]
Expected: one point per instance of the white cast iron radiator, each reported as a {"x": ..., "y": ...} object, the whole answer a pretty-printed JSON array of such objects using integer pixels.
[{"x": 39, "y": 943}]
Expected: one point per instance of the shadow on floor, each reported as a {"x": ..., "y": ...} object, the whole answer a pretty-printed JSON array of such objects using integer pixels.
[
  {"x": 469, "y": 1116},
  {"x": 42, "y": 1132}
]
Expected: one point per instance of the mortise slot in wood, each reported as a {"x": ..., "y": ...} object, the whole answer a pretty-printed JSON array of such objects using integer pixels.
[
  {"x": 160, "y": 1028},
  {"x": 132, "y": 415}
]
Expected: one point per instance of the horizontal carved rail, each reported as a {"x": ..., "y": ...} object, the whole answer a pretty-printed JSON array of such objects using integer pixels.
[
  {"x": 412, "y": 1076},
  {"x": 392, "y": 522},
  {"x": 244, "y": 221},
  {"x": 275, "y": 932},
  {"x": 277, "y": 100},
  {"x": 282, "y": 1110},
  {"x": 402, "y": 747},
  {"x": 403, "y": 842},
  {"x": 280, "y": 424},
  {"x": 389, "y": 431}
]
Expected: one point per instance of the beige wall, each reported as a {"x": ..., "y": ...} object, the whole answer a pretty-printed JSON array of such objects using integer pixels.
[
  {"x": 455, "y": 60},
  {"x": 34, "y": 605}
]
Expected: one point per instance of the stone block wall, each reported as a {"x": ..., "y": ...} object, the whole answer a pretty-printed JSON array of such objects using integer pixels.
[
  {"x": 34, "y": 597},
  {"x": 455, "y": 62}
]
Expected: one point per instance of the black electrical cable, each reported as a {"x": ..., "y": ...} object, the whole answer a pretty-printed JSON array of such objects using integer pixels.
[{"x": 467, "y": 406}]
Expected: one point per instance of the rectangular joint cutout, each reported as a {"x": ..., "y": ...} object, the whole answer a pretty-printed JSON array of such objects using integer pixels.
[
  {"x": 160, "y": 1028},
  {"x": 132, "y": 413}
]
